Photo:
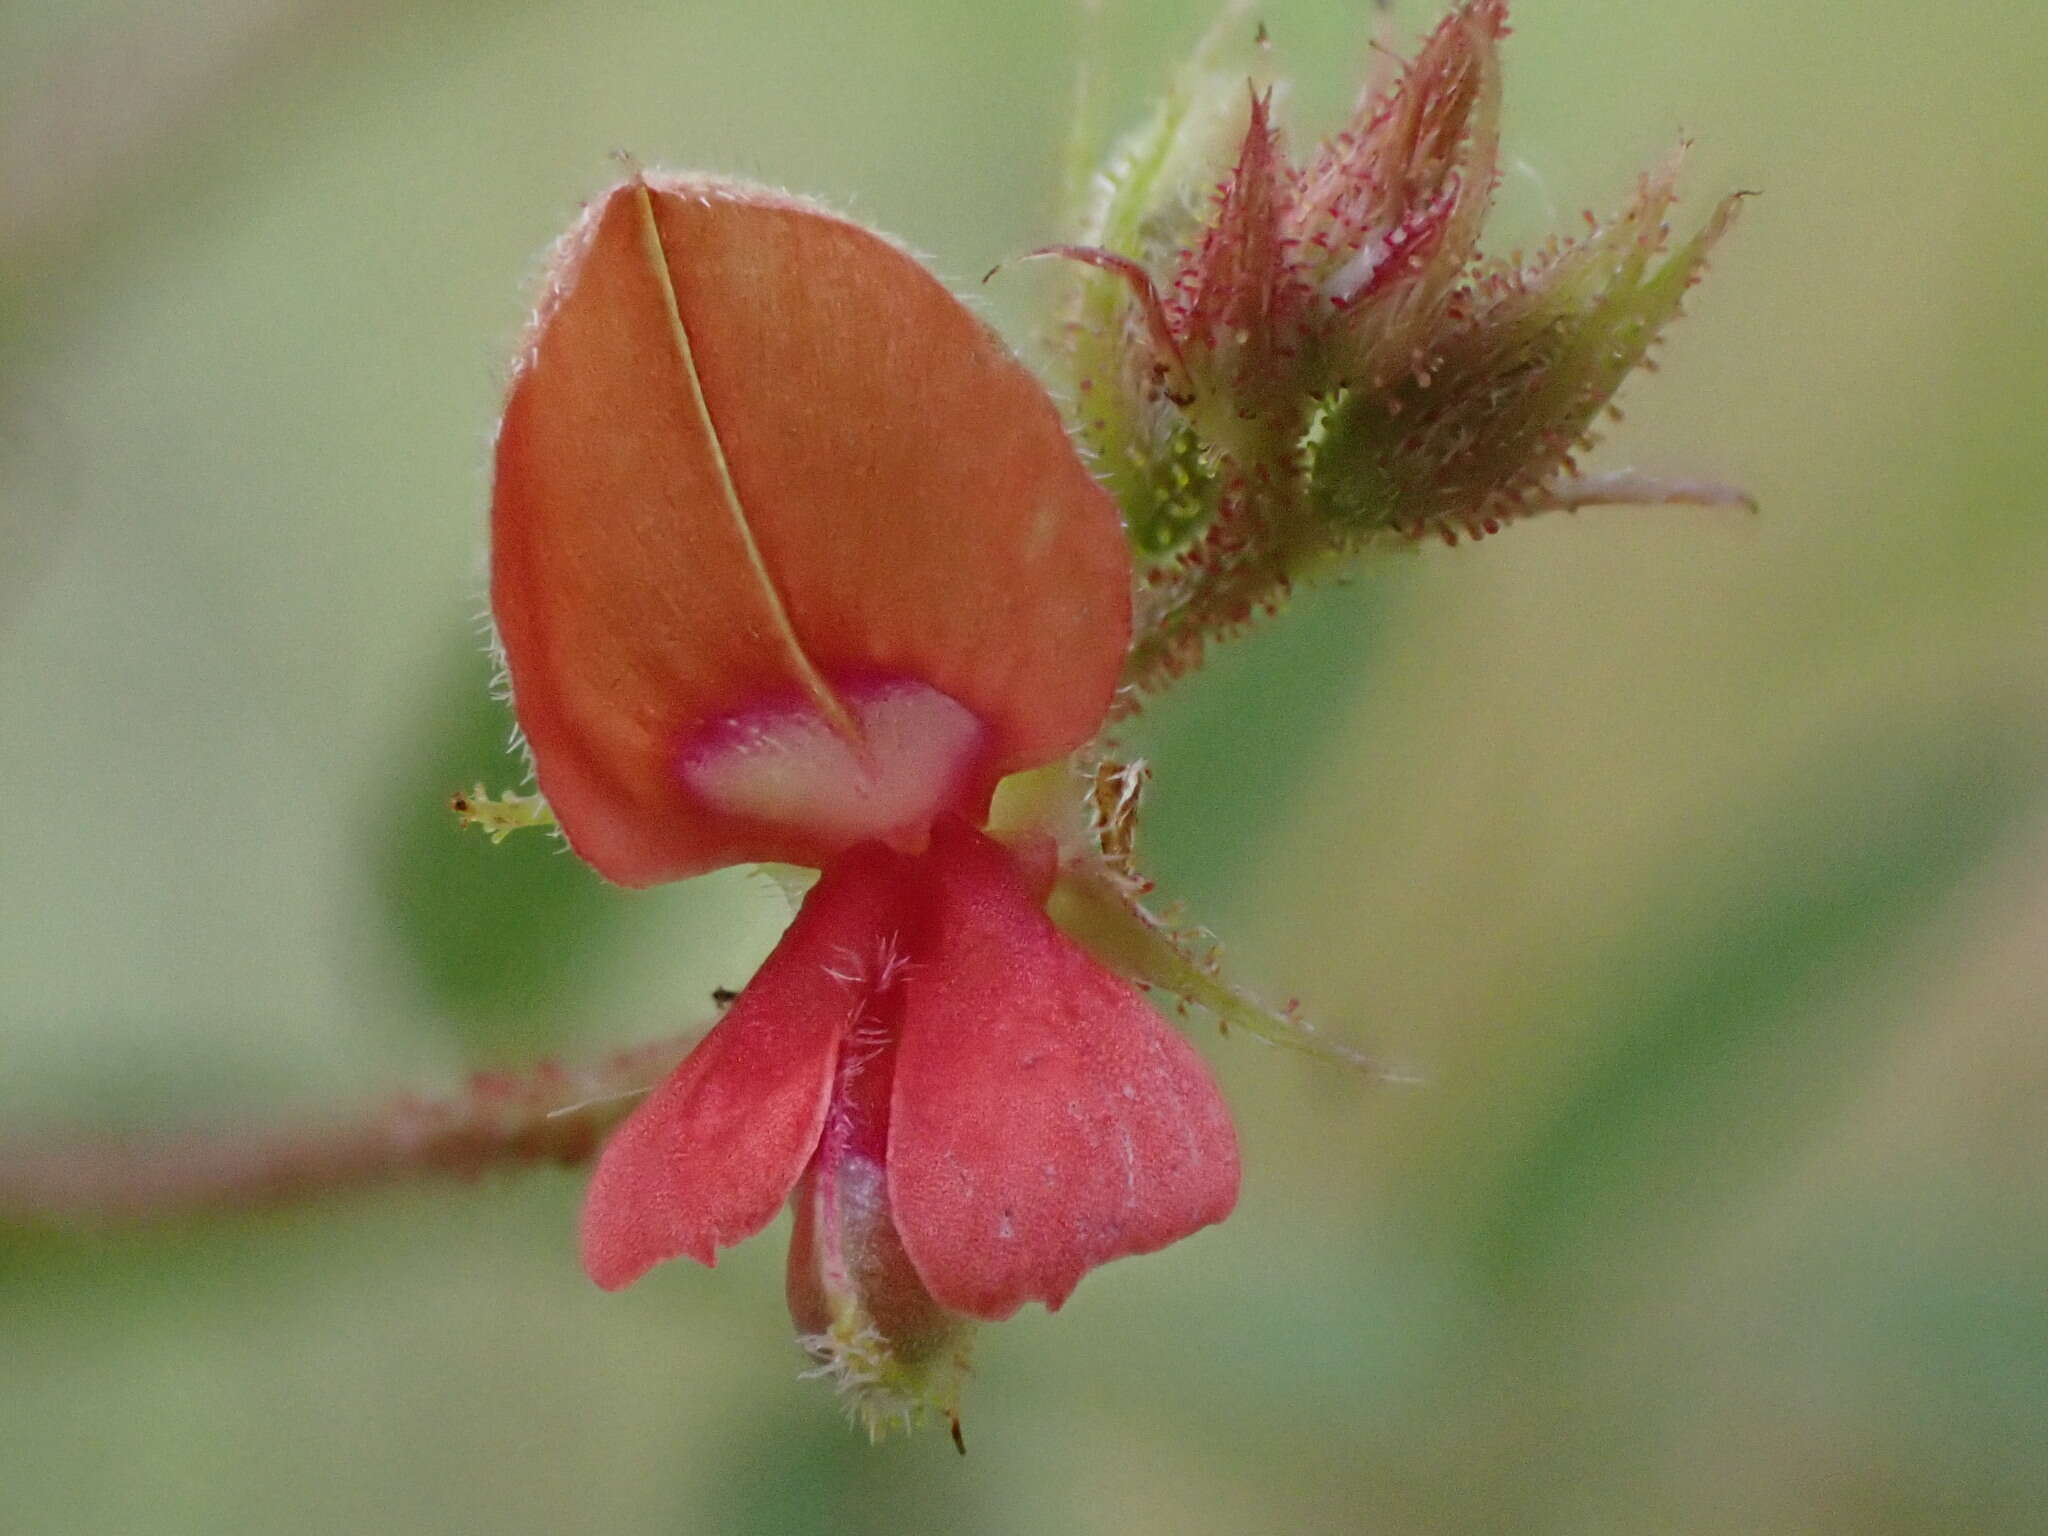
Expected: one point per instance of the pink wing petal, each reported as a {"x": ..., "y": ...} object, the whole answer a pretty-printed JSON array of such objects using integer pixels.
[
  {"x": 1044, "y": 1119},
  {"x": 711, "y": 1155}
]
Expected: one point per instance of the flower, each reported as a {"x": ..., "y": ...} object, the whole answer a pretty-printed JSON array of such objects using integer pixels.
[{"x": 792, "y": 562}]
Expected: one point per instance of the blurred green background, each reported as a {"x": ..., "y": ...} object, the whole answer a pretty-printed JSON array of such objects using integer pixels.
[{"x": 1696, "y": 860}]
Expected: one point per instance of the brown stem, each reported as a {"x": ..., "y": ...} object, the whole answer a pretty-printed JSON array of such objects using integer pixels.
[{"x": 546, "y": 1114}]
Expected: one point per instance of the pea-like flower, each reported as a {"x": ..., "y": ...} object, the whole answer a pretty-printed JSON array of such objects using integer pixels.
[{"x": 793, "y": 562}]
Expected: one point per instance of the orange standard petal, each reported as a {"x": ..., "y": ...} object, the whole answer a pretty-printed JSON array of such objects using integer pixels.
[{"x": 788, "y": 552}]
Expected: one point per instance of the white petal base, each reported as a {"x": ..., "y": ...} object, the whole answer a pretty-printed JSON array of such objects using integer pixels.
[{"x": 919, "y": 752}]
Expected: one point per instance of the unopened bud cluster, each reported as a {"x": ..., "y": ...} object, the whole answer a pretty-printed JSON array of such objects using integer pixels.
[{"x": 1276, "y": 365}]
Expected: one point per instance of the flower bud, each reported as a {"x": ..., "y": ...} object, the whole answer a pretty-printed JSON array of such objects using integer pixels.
[
  {"x": 1325, "y": 362},
  {"x": 861, "y": 1312}
]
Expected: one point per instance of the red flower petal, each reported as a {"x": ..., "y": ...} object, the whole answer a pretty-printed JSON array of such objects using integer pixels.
[
  {"x": 755, "y": 457},
  {"x": 1044, "y": 1119},
  {"x": 713, "y": 1152}
]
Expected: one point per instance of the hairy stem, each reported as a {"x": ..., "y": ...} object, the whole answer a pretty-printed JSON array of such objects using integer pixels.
[
  {"x": 548, "y": 1113},
  {"x": 1218, "y": 604}
]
